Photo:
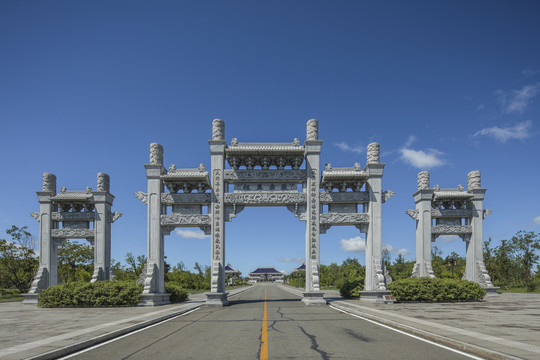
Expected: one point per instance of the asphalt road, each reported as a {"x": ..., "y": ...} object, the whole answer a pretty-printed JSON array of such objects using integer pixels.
[{"x": 294, "y": 331}]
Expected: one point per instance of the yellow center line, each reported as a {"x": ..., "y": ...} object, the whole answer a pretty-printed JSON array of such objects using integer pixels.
[{"x": 264, "y": 336}]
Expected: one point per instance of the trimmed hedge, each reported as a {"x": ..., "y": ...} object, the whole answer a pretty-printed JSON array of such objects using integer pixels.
[
  {"x": 177, "y": 293},
  {"x": 99, "y": 293},
  {"x": 436, "y": 290}
]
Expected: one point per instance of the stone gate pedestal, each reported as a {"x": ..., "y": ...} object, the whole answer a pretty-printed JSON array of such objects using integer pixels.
[
  {"x": 376, "y": 296},
  {"x": 155, "y": 299},
  {"x": 216, "y": 299},
  {"x": 314, "y": 298}
]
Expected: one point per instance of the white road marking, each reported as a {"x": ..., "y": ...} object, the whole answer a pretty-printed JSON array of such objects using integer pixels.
[
  {"x": 411, "y": 335},
  {"x": 133, "y": 332}
]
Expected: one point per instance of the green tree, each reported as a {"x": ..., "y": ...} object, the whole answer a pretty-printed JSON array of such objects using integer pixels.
[
  {"x": 75, "y": 261},
  {"x": 18, "y": 261},
  {"x": 401, "y": 268},
  {"x": 525, "y": 244}
]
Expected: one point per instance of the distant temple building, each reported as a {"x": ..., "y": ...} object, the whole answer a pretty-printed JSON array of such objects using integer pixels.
[
  {"x": 266, "y": 274},
  {"x": 300, "y": 268},
  {"x": 232, "y": 272}
]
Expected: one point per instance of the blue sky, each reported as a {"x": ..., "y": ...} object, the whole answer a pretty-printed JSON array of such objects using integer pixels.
[{"x": 446, "y": 86}]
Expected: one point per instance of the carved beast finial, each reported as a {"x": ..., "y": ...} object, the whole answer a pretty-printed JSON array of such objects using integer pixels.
[
  {"x": 103, "y": 182},
  {"x": 156, "y": 154},
  {"x": 474, "y": 180},
  {"x": 423, "y": 180},
  {"x": 218, "y": 129},
  {"x": 312, "y": 130},
  {"x": 49, "y": 183},
  {"x": 373, "y": 153}
]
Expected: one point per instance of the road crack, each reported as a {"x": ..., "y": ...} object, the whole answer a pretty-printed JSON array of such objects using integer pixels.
[{"x": 314, "y": 344}]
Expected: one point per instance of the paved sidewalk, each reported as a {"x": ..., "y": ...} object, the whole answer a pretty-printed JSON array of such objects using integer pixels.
[
  {"x": 29, "y": 332},
  {"x": 502, "y": 327}
]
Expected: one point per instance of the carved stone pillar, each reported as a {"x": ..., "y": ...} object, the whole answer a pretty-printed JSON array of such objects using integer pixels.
[
  {"x": 313, "y": 296},
  {"x": 103, "y": 201},
  {"x": 47, "y": 274},
  {"x": 475, "y": 269},
  {"x": 422, "y": 199},
  {"x": 374, "y": 286},
  {"x": 154, "y": 283},
  {"x": 217, "y": 295}
]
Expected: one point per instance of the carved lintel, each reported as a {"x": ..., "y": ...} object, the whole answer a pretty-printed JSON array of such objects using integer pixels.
[
  {"x": 485, "y": 213},
  {"x": 451, "y": 229},
  {"x": 264, "y": 175},
  {"x": 142, "y": 196},
  {"x": 344, "y": 219},
  {"x": 438, "y": 213},
  {"x": 35, "y": 215},
  {"x": 73, "y": 216},
  {"x": 185, "y": 198},
  {"x": 185, "y": 220},
  {"x": 72, "y": 233},
  {"x": 343, "y": 197},
  {"x": 387, "y": 195},
  {"x": 412, "y": 213},
  {"x": 265, "y": 198}
]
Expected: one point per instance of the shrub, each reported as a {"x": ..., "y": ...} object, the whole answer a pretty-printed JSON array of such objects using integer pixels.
[
  {"x": 4, "y": 292},
  {"x": 436, "y": 290},
  {"x": 351, "y": 288},
  {"x": 99, "y": 293},
  {"x": 177, "y": 293}
]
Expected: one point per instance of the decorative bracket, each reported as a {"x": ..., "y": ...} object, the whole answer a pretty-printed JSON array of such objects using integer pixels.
[
  {"x": 387, "y": 194},
  {"x": 412, "y": 213},
  {"x": 35, "y": 215},
  {"x": 142, "y": 196},
  {"x": 485, "y": 213}
]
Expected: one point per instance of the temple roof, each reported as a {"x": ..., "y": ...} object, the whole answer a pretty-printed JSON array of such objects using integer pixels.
[
  {"x": 266, "y": 270},
  {"x": 302, "y": 267}
]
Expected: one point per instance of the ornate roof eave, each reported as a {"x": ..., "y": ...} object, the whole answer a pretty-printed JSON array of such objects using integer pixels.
[
  {"x": 265, "y": 149},
  {"x": 69, "y": 196},
  {"x": 452, "y": 195}
]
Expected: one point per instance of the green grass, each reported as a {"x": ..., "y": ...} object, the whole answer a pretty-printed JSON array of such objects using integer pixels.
[
  {"x": 519, "y": 290},
  {"x": 11, "y": 297}
]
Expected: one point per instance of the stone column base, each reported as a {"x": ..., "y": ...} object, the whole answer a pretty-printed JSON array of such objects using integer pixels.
[
  {"x": 492, "y": 291},
  {"x": 376, "y": 296},
  {"x": 314, "y": 298},
  {"x": 31, "y": 299},
  {"x": 216, "y": 299},
  {"x": 155, "y": 299}
]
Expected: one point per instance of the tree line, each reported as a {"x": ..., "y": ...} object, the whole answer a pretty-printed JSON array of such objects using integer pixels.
[{"x": 513, "y": 263}]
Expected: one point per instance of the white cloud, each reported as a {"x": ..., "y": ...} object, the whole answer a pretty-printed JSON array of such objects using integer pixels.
[
  {"x": 191, "y": 234},
  {"x": 529, "y": 72},
  {"x": 480, "y": 107},
  {"x": 516, "y": 101},
  {"x": 393, "y": 250},
  {"x": 403, "y": 252},
  {"x": 288, "y": 259},
  {"x": 410, "y": 140},
  {"x": 520, "y": 132},
  {"x": 343, "y": 146},
  {"x": 422, "y": 159},
  {"x": 355, "y": 244},
  {"x": 536, "y": 220}
]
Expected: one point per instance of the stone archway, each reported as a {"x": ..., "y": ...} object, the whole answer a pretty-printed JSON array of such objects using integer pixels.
[{"x": 263, "y": 174}]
